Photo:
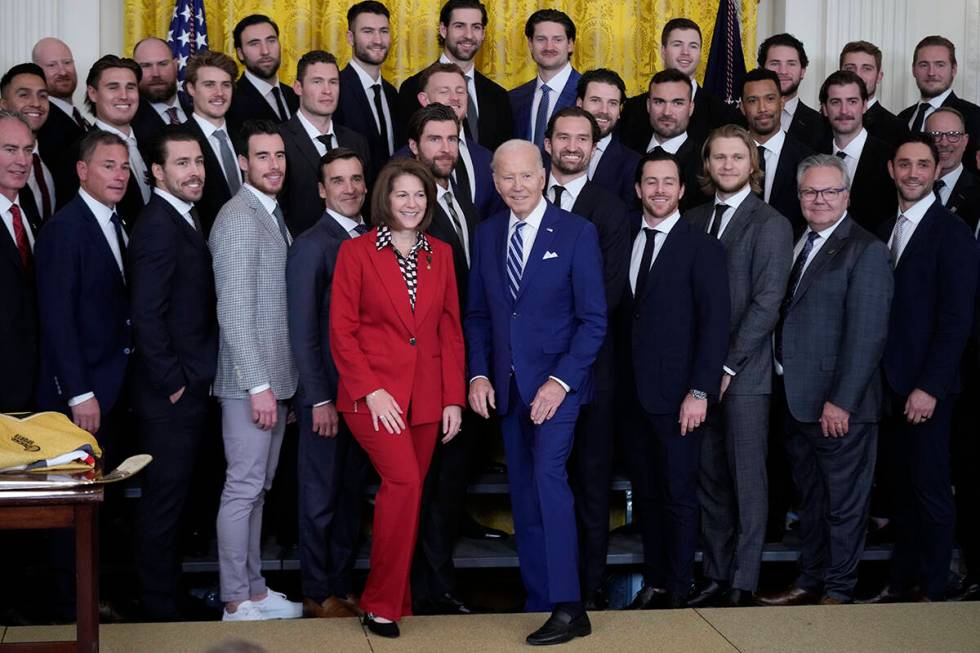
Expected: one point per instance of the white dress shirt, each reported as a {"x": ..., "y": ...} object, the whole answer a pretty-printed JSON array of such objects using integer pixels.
[
  {"x": 640, "y": 242},
  {"x": 162, "y": 107},
  {"x": 313, "y": 132},
  {"x": 36, "y": 187},
  {"x": 137, "y": 167},
  {"x": 557, "y": 85},
  {"x": 470, "y": 83},
  {"x": 789, "y": 110},
  {"x": 8, "y": 220},
  {"x": 852, "y": 153},
  {"x": 182, "y": 207},
  {"x": 209, "y": 129},
  {"x": 572, "y": 188},
  {"x": 949, "y": 180},
  {"x": 265, "y": 90},
  {"x": 913, "y": 217},
  {"x": 670, "y": 145},
  {"x": 934, "y": 103},
  {"x": 444, "y": 204},
  {"x": 773, "y": 147},
  {"x": 600, "y": 149},
  {"x": 530, "y": 231},
  {"x": 733, "y": 203},
  {"x": 368, "y": 83}
]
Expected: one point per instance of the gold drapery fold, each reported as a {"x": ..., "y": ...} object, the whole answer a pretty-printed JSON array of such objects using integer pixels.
[{"x": 624, "y": 36}]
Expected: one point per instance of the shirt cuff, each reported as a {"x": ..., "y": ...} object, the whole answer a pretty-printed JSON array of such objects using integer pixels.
[
  {"x": 479, "y": 376},
  {"x": 561, "y": 383},
  {"x": 322, "y": 403},
  {"x": 728, "y": 370},
  {"x": 74, "y": 401},
  {"x": 259, "y": 388}
]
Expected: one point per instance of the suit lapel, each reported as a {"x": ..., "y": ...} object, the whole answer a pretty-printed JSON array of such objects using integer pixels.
[
  {"x": 743, "y": 214},
  {"x": 264, "y": 217},
  {"x": 663, "y": 258},
  {"x": 393, "y": 283},
  {"x": 827, "y": 252},
  {"x": 96, "y": 233},
  {"x": 426, "y": 288},
  {"x": 190, "y": 233},
  {"x": 10, "y": 249},
  {"x": 303, "y": 141},
  {"x": 785, "y": 172},
  {"x": 922, "y": 233},
  {"x": 542, "y": 243}
]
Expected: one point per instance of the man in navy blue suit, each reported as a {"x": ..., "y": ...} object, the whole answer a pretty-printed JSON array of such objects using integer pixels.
[
  {"x": 535, "y": 322},
  {"x": 551, "y": 38},
  {"x": 672, "y": 366},
  {"x": 935, "y": 259}
]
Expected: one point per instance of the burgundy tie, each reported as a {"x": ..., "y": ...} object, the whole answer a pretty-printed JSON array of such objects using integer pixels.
[
  {"x": 43, "y": 185},
  {"x": 172, "y": 116},
  {"x": 20, "y": 237},
  {"x": 77, "y": 115}
]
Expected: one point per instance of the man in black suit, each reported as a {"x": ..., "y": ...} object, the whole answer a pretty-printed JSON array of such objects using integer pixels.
[
  {"x": 259, "y": 94},
  {"x": 462, "y": 28},
  {"x": 112, "y": 97},
  {"x": 843, "y": 98},
  {"x": 864, "y": 59},
  {"x": 935, "y": 259},
  {"x": 779, "y": 153},
  {"x": 934, "y": 68},
  {"x": 570, "y": 141},
  {"x": 784, "y": 54},
  {"x": 24, "y": 90},
  {"x": 159, "y": 103},
  {"x": 828, "y": 346},
  {"x": 602, "y": 92},
  {"x": 65, "y": 125},
  {"x": 671, "y": 368},
  {"x": 18, "y": 322},
  {"x": 958, "y": 189},
  {"x": 209, "y": 82},
  {"x": 331, "y": 467},
  {"x": 171, "y": 289},
  {"x": 368, "y": 102},
  {"x": 310, "y": 134}
]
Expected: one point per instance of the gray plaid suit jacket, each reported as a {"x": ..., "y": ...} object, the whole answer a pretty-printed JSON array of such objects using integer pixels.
[
  {"x": 250, "y": 279},
  {"x": 758, "y": 241}
]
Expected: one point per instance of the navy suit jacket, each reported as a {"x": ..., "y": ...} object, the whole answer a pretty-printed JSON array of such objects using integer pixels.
[
  {"x": 616, "y": 172},
  {"x": 933, "y": 305},
  {"x": 57, "y": 143},
  {"x": 964, "y": 201},
  {"x": 355, "y": 111},
  {"x": 677, "y": 329},
  {"x": 556, "y": 324},
  {"x": 86, "y": 334},
  {"x": 522, "y": 98}
]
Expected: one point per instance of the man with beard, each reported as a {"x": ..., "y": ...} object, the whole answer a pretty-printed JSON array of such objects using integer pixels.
[
  {"x": 462, "y": 28},
  {"x": 864, "y": 59},
  {"x": 669, "y": 108},
  {"x": 958, "y": 189},
  {"x": 176, "y": 333},
  {"x": 159, "y": 102},
  {"x": 779, "y": 152},
  {"x": 368, "y": 102},
  {"x": 570, "y": 141},
  {"x": 934, "y": 67},
  {"x": 23, "y": 89},
  {"x": 733, "y": 483},
  {"x": 550, "y": 38},
  {"x": 935, "y": 260},
  {"x": 310, "y": 134},
  {"x": 843, "y": 99},
  {"x": 784, "y": 54},
  {"x": 112, "y": 97},
  {"x": 602, "y": 92},
  {"x": 65, "y": 125},
  {"x": 259, "y": 94}
]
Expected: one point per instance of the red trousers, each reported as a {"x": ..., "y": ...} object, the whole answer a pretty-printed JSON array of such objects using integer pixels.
[{"x": 402, "y": 461}]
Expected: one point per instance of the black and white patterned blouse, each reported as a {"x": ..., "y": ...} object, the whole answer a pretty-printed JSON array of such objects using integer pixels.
[{"x": 408, "y": 266}]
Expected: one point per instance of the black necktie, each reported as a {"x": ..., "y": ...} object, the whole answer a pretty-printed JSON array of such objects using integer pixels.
[
  {"x": 120, "y": 239},
  {"x": 920, "y": 117},
  {"x": 716, "y": 222},
  {"x": 196, "y": 219},
  {"x": 327, "y": 140},
  {"x": 382, "y": 126},
  {"x": 658, "y": 150},
  {"x": 938, "y": 186},
  {"x": 361, "y": 229},
  {"x": 280, "y": 107},
  {"x": 762, "y": 157},
  {"x": 77, "y": 115},
  {"x": 794, "y": 280},
  {"x": 558, "y": 190},
  {"x": 462, "y": 177},
  {"x": 841, "y": 155},
  {"x": 645, "y": 261}
]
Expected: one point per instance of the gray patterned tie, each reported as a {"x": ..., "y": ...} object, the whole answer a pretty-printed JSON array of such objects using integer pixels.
[
  {"x": 897, "y": 238},
  {"x": 232, "y": 176},
  {"x": 281, "y": 221}
]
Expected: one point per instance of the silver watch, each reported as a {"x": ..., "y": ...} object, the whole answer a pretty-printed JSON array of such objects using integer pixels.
[{"x": 698, "y": 394}]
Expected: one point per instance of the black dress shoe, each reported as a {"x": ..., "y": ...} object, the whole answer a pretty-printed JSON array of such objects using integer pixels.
[
  {"x": 379, "y": 628},
  {"x": 648, "y": 598},
  {"x": 560, "y": 628},
  {"x": 449, "y": 604},
  {"x": 597, "y": 600},
  {"x": 712, "y": 594},
  {"x": 474, "y": 530},
  {"x": 968, "y": 591},
  {"x": 737, "y": 598},
  {"x": 888, "y": 595}
]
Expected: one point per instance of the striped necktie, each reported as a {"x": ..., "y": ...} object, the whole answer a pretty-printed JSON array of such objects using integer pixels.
[{"x": 515, "y": 260}]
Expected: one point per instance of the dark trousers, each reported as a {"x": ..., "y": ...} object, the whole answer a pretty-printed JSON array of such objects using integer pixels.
[
  {"x": 173, "y": 440},
  {"x": 966, "y": 464},
  {"x": 330, "y": 473},
  {"x": 833, "y": 477},
  {"x": 664, "y": 472},
  {"x": 925, "y": 517}
]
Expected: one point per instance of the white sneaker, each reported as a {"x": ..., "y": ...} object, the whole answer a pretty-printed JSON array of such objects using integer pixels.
[
  {"x": 247, "y": 611},
  {"x": 276, "y": 606}
]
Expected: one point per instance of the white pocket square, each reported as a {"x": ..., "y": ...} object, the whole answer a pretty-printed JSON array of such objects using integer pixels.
[{"x": 548, "y": 255}]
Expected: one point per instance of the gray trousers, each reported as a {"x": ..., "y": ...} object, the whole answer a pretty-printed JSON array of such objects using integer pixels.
[
  {"x": 734, "y": 489},
  {"x": 252, "y": 455}
]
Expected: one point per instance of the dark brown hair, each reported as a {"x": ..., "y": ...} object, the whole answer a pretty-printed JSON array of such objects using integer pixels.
[{"x": 383, "y": 186}]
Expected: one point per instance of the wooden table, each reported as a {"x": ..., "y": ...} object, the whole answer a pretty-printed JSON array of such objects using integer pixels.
[{"x": 76, "y": 508}]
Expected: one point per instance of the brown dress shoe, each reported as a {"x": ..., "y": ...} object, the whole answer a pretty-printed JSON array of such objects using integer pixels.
[
  {"x": 352, "y": 603},
  {"x": 887, "y": 595},
  {"x": 331, "y": 608},
  {"x": 829, "y": 600},
  {"x": 792, "y": 596}
]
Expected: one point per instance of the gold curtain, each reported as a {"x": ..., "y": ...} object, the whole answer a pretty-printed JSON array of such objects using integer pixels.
[{"x": 624, "y": 36}]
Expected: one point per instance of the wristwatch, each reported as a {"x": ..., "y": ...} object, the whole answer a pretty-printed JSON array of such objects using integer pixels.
[{"x": 698, "y": 394}]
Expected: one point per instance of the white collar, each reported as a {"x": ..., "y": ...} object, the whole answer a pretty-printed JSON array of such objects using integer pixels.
[
  {"x": 825, "y": 234},
  {"x": 665, "y": 226},
  {"x": 347, "y": 223},
  {"x": 556, "y": 83},
  {"x": 208, "y": 127},
  {"x": 915, "y": 212},
  {"x": 366, "y": 80},
  {"x": 873, "y": 100},
  {"x": 102, "y": 213},
  {"x": 533, "y": 219},
  {"x": 775, "y": 142},
  {"x": 603, "y": 143},
  {"x": 269, "y": 202},
  {"x": 179, "y": 205},
  {"x": 104, "y": 126},
  {"x": 262, "y": 86},
  {"x": 443, "y": 58},
  {"x": 64, "y": 105},
  {"x": 573, "y": 187},
  {"x": 5, "y": 205},
  {"x": 735, "y": 200},
  {"x": 161, "y": 107},
  {"x": 937, "y": 101},
  {"x": 671, "y": 144},
  {"x": 310, "y": 129},
  {"x": 855, "y": 147},
  {"x": 790, "y": 107},
  {"x": 953, "y": 176}
]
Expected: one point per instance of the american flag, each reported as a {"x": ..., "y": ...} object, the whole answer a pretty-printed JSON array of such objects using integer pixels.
[
  {"x": 188, "y": 33},
  {"x": 726, "y": 63}
]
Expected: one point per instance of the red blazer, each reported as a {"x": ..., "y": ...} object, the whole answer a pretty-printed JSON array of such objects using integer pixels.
[{"x": 376, "y": 340}]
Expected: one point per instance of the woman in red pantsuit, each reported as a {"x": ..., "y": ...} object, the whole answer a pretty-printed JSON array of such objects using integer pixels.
[{"x": 396, "y": 339}]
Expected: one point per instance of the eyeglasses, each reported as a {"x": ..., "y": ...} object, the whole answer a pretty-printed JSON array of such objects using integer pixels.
[
  {"x": 828, "y": 194},
  {"x": 952, "y": 137}
]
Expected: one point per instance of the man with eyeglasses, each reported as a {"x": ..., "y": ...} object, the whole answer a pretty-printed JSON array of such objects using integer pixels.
[
  {"x": 957, "y": 188},
  {"x": 827, "y": 347}
]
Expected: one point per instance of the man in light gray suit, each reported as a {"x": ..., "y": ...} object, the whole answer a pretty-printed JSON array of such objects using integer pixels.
[
  {"x": 828, "y": 344},
  {"x": 733, "y": 484},
  {"x": 256, "y": 373}
]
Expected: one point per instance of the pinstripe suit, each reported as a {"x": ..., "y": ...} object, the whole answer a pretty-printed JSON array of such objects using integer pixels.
[{"x": 249, "y": 258}]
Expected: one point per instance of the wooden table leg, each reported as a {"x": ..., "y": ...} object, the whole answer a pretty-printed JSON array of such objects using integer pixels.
[{"x": 87, "y": 577}]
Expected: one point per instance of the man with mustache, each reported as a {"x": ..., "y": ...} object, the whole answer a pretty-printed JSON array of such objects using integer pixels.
[
  {"x": 159, "y": 103},
  {"x": 935, "y": 259},
  {"x": 934, "y": 68},
  {"x": 864, "y": 59},
  {"x": 259, "y": 94},
  {"x": 843, "y": 99},
  {"x": 23, "y": 89},
  {"x": 462, "y": 29},
  {"x": 550, "y": 38},
  {"x": 368, "y": 102},
  {"x": 570, "y": 142},
  {"x": 176, "y": 333},
  {"x": 784, "y": 54},
  {"x": 65, "y": 125}
]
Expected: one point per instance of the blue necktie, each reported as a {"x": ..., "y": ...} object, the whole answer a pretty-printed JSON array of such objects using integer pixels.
[
  {"x": 794, "y": 280},
  {"x": 541, "y": 119},
  {"x": 515, "y": 260}
]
